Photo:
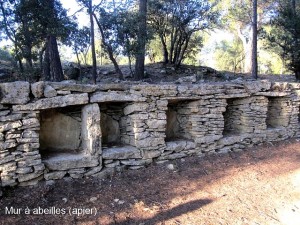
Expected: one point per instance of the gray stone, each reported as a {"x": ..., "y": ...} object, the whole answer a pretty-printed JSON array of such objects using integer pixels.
[
  {"x": 49, "y": 92},
  {"x": 7, "y": 159},
  {"x": 137, "y": 107},
  {"x": 150, "y": 154},
  {"x": 4, "y": 113},
  {"x": 66, "y": 161},
  {"x": 172, "y": 156},
  {"x": 125, "y": 152},
  {"x": 27, "y": 177},
  {"x": 32, "y": 122},
  {"x": 32, "y": 182},
  {"x": 105, "y": 173},
  {"x": 91, "y": 130},
  {"x": 14, "y": 92},
  {"x": 63, "y": 86},
  {"x": 176, "y": 146},
  {"x": 59, "y": 92},
  {"x": 12, "y": 136},
  {"x": 30, "y": 134},
  {"x": 10, "y": 125},
  {"x": 115, "y": 96},
  {"x": 156, "y": 124},
  {"x": 55, "y": 175},
  {"x": 55, "y": 102},
  {"x": 133, "y": 162},
  {"x": 39, "y": 167},
  {"x": 93, "y": 171},
  {"x": 150, "y": 142},
  {"x": 76, "y": 175},
  {"x": 37, "y": 89},
  {"x": 112, "y": 164}
]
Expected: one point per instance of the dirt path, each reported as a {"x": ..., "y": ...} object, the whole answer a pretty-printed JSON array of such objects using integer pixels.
[{"x": 257, "y": 186}]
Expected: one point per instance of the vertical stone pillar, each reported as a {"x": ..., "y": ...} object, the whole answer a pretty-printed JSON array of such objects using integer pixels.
[{"x": 90, "y": 130}]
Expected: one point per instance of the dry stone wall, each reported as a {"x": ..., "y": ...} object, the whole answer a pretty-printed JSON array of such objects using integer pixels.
[{"x": 49, "y": 130}]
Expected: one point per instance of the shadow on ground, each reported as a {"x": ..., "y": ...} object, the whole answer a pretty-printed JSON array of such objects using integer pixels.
[{"x": 148, "y": 196}]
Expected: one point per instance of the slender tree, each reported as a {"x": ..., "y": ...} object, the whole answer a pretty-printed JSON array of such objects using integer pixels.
[
  {"x": 88, "y": 4},
  {"x": 94, "y": 70},
  {"x": 254, "y": 39},
  {"x": 141, "y": 41}
]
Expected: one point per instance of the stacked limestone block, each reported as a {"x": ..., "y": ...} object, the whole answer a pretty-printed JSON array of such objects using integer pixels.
[
  {"x": 295, "y": 117},
  {"x": 20, "y": 161},
  {"x": 245, "y": 115},
  {"x": 20, "y": 142},
  {"x": 279, "y": 112}
]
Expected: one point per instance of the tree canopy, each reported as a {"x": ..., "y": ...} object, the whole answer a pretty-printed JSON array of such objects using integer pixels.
[{"x": 139, "y": 30}]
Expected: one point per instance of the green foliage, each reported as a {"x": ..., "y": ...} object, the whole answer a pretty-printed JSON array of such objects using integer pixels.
[
  {"x": 229, "y": 56},
  {"x": 176, "y": 22},
  {"x": 285, "y": 34},
  {"x": 27, "y": 23}
]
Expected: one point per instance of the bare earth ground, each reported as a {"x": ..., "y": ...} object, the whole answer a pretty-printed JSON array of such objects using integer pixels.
[{"x": 257, "y": 186}]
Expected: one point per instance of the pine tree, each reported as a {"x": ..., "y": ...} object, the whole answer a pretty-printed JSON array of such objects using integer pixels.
[{"x": 285, "y": 35}]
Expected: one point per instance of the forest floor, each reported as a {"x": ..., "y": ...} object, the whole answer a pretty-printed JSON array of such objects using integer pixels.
[
  {"x": 154, "y": 73},
  {"x": 260, "y": 185}
]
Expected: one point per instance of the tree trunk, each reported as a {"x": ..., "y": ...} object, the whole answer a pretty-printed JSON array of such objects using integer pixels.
[
  {"x": 173, "y": 38},
  {"x": 41, "y": 53},
  {"x": 56, "y": 72},
  {"x": 20, "y": 64},
  {"x": 94, "y": 70},
  {"x": 52, "y": 65},
  {"x": 254, "y": 40},
  {"x": 141, "y": 40},
  {"x": 165, "y": 50},
  {"x": 109, "y": 50},
  {"x": 247, "y": 44},
  {"x": 182, "y": 53},
  {"x": 46, "y": 63}
]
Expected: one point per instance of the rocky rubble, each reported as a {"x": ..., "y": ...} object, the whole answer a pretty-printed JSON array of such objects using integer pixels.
[{"x": 130, "y": 126}]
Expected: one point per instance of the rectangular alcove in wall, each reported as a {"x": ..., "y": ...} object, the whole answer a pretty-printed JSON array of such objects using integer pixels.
[
  {"x": 112, "y": 113},
  {"x": 235, "y": 122},
  {"x": 178, "y": 125},
  {"x": 279, "y": 111},
  {"x": 70, "y": 137},
  {"x": 60, "y": 131}
]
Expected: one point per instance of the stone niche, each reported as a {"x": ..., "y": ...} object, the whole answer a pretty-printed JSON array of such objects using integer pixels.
[
  {"x": 236, "y": 120},
  {"x": 279, "y": 112},
  {"x": 70, "y": 137},
  {"x": 60, "y": 130},
  {"x": 111, "y": 126},
  {"x": 179, "y": 126}
]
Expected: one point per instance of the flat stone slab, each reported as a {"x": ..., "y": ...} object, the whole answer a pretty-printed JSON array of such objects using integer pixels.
[
  {"x": 176, "y": 146},
  {"x": 126, "y": 152},
  {"x": 73, "y": 87},
  {"x": 273, "y": 94},
  {"x": 55, "y": 102},
  {"x": 66, "y": 161},
  {"x": 115, "y": 96}
]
